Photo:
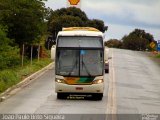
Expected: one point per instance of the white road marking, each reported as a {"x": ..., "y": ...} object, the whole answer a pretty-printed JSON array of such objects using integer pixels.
[{"x": 111, "y": 102}]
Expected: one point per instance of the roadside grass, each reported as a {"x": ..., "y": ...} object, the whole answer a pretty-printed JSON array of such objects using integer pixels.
[
  {"x": 10, "y": 77},
  {"x": 158, "y": 56}
]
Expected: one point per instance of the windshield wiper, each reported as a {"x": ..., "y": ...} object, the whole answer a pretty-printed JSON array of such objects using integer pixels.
[
  {"x": 83, "y": 64},
  {"x": 75, "y": 65}
]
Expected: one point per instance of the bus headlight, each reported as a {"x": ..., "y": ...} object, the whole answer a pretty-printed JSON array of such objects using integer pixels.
[
  {"x": 97, "y": 81},
  {"x": 60, "y": 81}
]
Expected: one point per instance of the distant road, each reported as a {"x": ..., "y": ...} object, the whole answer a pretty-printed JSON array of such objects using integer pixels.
[{"x": 131, "y": 87}]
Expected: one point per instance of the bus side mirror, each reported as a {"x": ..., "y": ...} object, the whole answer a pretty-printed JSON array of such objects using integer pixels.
[
  {"x": 109, "y": 57},
  {"x": 53, "y": 52},
  {"x": 106, "y": 52}
]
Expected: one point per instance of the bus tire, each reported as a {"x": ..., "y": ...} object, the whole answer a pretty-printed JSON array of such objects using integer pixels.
[
  {"x": 98, "y": 96},
  {"x": 106, "y": 70},
  {"x": 60, "y": 95}
]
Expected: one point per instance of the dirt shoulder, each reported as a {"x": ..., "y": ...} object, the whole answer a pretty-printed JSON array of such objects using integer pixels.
[{"x": 154, "y": 56}]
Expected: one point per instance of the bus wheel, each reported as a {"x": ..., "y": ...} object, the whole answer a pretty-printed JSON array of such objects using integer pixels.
[
  {"x": 61, "y": 96},
  {"x": 98, "y": 96},
  {"x": 106, "y": 71}
]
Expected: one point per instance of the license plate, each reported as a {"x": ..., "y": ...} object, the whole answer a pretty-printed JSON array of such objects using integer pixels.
[{"x": 79, "y": 88}]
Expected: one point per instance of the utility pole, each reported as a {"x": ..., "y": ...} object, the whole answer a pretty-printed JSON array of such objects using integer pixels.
[
  {"x": 31, "y": 53},
  {"x": 22, "y": 54}
]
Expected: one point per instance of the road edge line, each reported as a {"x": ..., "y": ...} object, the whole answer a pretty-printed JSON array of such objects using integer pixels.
[
  {"x": 111, "y": 101},
  {"x": 15, "y": 88}
]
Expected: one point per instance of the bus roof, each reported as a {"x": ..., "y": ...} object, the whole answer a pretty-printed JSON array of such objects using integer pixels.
[{"x": 80, "y": 31}]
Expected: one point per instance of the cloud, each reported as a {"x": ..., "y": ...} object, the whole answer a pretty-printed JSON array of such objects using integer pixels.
[
  {"x": 55, "y": 4},
  {"x": 118, "y": 31},
  {"x": 125, "y": 12},
  {"x": 122, "y": 16}
]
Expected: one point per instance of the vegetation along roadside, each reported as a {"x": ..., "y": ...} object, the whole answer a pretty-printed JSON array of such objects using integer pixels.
[{"x": 10, "y": 77}]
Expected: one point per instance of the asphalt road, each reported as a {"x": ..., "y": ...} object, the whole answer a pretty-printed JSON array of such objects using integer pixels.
[{"x": 131, "y": 87}]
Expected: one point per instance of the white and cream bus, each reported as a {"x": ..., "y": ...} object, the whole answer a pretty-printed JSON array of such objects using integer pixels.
[{"x": 79, "y": 62}]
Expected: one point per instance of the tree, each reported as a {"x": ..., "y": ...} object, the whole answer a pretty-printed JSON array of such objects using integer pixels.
[
  {"x": 64, "y": 21},
  {"x": 71, "y": 11},
  {"x": 113, "y": 43},
  {"x": 24, "y": 19},
  {"x": 71, "y": 17},
  {"x": 137, "y": 40},
  {"x": 8, "y": 55},
  {"x": 99, "y": 24},
  {"x": 142, "y": 34}
]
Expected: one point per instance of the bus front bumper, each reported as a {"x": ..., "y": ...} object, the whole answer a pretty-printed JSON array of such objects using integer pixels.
[{"x": 65, "y": 88}]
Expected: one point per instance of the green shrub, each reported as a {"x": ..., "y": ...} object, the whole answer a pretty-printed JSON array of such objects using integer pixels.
[
  {"x": 7, "y": 79},
  {"x": 10, "y": 77},
  {"x": 158, "y": 56},
  {"x": 9, "y": 56},
  {"x": 2, "y": 86}
]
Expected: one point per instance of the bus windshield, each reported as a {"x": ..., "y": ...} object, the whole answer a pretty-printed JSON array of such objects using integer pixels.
[
  {"x": 80, "y": 41},
  {"x": 79, "y": 62}
]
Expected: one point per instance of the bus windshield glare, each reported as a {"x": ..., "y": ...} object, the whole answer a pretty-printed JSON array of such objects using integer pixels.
[{"x": 79, "y": 62}]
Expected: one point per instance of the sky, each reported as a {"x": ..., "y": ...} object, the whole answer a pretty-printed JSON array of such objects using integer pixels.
[{"x": 121, "y": 16}]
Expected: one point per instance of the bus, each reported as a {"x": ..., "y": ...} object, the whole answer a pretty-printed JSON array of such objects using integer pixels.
[{"x": 79, "y": 63}]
